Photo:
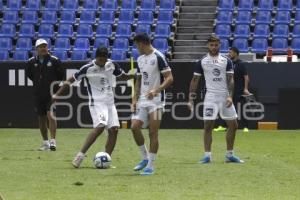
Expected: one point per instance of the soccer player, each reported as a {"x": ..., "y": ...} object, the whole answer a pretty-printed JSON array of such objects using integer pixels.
[
  {"x": 154, "y": 76},
  {"x": 43, "y": 70},
  {"x": 99, "y": 75},
  {"x": 218, "y": 73}
]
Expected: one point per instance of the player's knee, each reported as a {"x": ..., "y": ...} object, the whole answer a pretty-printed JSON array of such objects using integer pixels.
[
  {"x": 114, "y": 130},
  {"x": 135, "y": 126}
]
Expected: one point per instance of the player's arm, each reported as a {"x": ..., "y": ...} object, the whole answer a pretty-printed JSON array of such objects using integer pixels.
[
  {"x": 192, "y": 91},
  {"x": 246, "y": 79},
  {"x": 63, "y": 88},
  {"x": 29, "y": 70},
  {"x": 125, "y": 76},
  {"x": 168, "y": 80}
]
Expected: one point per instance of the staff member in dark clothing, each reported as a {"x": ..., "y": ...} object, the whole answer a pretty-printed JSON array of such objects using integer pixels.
[
  {"x": 44, "y": 70},
  {"x": 241, "y": 83}
]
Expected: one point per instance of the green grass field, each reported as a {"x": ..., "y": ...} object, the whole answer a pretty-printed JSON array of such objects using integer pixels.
[{"x": 271, "y": 171}]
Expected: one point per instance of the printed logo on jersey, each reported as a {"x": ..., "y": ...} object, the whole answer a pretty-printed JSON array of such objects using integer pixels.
[
  {"x": 49, "y": 64},
  {"x": 103, "y": 81},
  {"x": 146, "y": 77},
  {"x": 152, "y": 62},
  {"x": 209, "y": 112},
  {"x": 216, "y": 72}
]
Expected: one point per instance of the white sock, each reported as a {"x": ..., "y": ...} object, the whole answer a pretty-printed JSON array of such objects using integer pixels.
[
  {"x": 80, "y": 154},
  {"x": 207, "y": 154},
  {"x": 46, "y": 142},
  {"x": 144, "y": 152},
  {"x": 52, "y": 141},
  {"x": 229, "y": 153},
  {"x": 151, "y": 159}
]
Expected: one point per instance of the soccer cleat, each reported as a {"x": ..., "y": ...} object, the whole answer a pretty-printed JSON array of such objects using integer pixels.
[
  {"x": 44, "y": 147},
  {"x": 141, "y": 165},
  {"x": 78, "y": 159},
  {"x": 147, "y": 172},
  {"x": 205, "y": 160},
  {"x": 233, "y": 159},
  {"x": 246, "y": 130},
  {"x": 52, "y": 145},
  {"x": 220, "y": 129}
]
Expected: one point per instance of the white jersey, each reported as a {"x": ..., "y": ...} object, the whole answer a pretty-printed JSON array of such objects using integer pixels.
[
  {"x": 151, "y": 67},
  {"x": 100, "y": 81},
  {"x": 214, "y": 70}
]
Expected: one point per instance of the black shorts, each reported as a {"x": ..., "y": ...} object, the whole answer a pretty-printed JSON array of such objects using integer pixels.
[{"x": 42, "y": 106}]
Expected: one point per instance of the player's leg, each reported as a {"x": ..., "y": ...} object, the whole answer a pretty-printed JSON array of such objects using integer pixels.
[
  {"x": 207, "y": 139},
  {"x": 111, "y": 140},
  {"x": 52, "y": 129},
  {"x": 44, "y": 132}
]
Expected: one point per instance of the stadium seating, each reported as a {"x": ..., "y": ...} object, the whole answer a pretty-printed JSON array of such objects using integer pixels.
[
  {"x": 61, "y": 54},
  {"x": 223, "y": 31},
  {"x": 24, "y": 44},
  {"x": 107, "y": 17},
  {"x": 124, "y": 30},
  {"x": 70, "y": 5},
  {"x": 91, "y": 5},
  {"x": 84, "y": 30},
  {"x": 261, "y": 31},
  {"x": 168, "y": 5},
  {"x": 87, "y": 17},
  {"x": 21, "y": 55},
  {"x": 121, "y": 44},
  {"x": 224, "y": 46},
  {"x": 285, "y": 5},
  {"x": 161, "y": 44},
  {"x": 224, "y": 17},
  {"x": 242, "y": 31},
  {"x": 30, "y": 17},
  {"x": 126, "y": 16},
  {"x": 79, "y": 55},
  {"x": 4, "y": 55},
  {"x": 243, "y": 17},
  {"x": 6, "y": 44},
  {"x": 62, "y": 44},
  {"x": 143, "y": 28},
  {"x": 245, "y": 5},
  {"x": 110, "y": 5},
  {"x": 82, "y": 44},
  {"x": 14, "y": 5},
  {"x": 265, "y": 5},
  {"x": 118, "y": 55},
  {"x": 283, "y": 17},
  {"x": 67, "y": 17},
  {"x": 46, "y": 30},
  {"x": 165, "y": 17},
  {"x": 33, "y": 5},
  {"x": 128, "y": 5},
  {"x": 226, "y": 5},
  {"x": 65, "y": 30},
  {"x": 296, "y": 31},
  {"x": 145, "y": 17},
  {"x": 149, "y": 5},
  {"x": 296, "y": 45},
  {"x": 162, "y": 30},
  {"x": 259, "y": 45},
  {"x": 135, "y": 54},
  {"x": 10, "y": 17},
  {"x": 281, "y": 30},
  {"x": 101, "y": 42},
  {"x": 280, "y": 45},
  {"x": 8, "y": 30},
  {"x": 27, "y": 30},
  {"x": 53, "y": 5},
  {"x": 104, "y": 30},
  {"x": 241, "y": 44},
  {"x": 263, "y": 17},
  {"x": 49, "y": 17}
]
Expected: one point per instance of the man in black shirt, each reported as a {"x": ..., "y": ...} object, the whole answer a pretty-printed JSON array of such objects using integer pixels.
[{"x": 44, "y": 70}]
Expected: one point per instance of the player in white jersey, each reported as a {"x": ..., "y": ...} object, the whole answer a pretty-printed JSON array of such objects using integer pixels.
[
  {"x": 218, "y": 73},
  {"x": 154, "y": 76},
  {"x": 99, "y": 76}
]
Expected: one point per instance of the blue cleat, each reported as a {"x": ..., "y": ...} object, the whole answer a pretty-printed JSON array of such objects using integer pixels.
[
  {"x": 141, "y": 165},
  {"x": 205, "y": 160},
  {"x": 233, "y": 159},
  {"x": 147, "y": 172}
]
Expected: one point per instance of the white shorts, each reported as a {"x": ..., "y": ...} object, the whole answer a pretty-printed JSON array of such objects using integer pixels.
[
  {"x": 104, "y": 115},
  {"x": 144, "y": 108},
  {"x": 216, "y": 103}
]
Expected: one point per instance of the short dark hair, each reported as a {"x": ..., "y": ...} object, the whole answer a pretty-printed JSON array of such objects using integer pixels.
[
  {"x": 142, "y": 37},
  {"x": 101, "y": 52},
  {"x": 236, "y": 50},
  {"x": 213, "y": 38}
]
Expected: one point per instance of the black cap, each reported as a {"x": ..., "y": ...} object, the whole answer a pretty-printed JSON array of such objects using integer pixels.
[
  {"x": 101, "y": 52},
  {"x": 236, "y": 50}
]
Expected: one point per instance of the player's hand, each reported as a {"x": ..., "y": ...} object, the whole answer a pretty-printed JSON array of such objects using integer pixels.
[
  {"x": 151, "y": 94},
  {"x": 246, "y": 92},
  {"x": 228, "y": 102},
  {"x": 133, "y": 106},
  {"x": 191, "y": 106}
]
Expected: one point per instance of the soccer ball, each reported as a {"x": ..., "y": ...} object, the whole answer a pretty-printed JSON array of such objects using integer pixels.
[{"x": 102, "y": 160}]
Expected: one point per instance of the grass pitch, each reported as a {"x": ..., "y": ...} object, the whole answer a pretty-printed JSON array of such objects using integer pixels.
[{"x": 271, "y": 171}]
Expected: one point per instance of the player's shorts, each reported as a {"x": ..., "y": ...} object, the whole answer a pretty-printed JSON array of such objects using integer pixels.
[
  {"x": 104, "y": 115},
  {"x": 144, "y": 108},
  {"x": 42, "y": 106},
  {"x": 216, "y": 103}
]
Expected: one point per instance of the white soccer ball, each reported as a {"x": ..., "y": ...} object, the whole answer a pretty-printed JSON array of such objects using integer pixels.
[{"x": 102, "y": 160}]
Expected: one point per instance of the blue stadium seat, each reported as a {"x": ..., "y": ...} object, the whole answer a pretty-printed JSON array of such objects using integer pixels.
[
  {"x": 265, "y": 5},
  {"x": 124, "y": 30},
  {"x": 49, "y": 17},
  {"x": 143, "y": 28},
  {"x": 128, "y": 5},
  {"x": 10, "y": 17},
  {"x": 118, "y": 55},
  {"x": 161, "y": 44},
  {"x": 87, "y": 17},
  {"x": 285, "y": 5},
  {"x": 165, "y": 17},
  {"x": 145, "y": 17},
  {"x": 62, "y": 44},
  {"x": 162, "y": 30},
  {"x": 281, "y": 30},
  {"x": 48, "y": 41},
  {"x": 263, "y": 17},
  {"x": 149, "y": 5},
  {"x": 243, "y": 17},
  {"x": 67, "y": 17},
  {"x": 20, "y": 55},
  {"x": 298, "y": 6},
  {"x": 167, "y": 5},
  {"x": 91, "y": 5},
  {"x": 53, "y": 5},
  {"x": 226, "y": 5},
  {"x": 121, "y": 44},
  {"x": 224, "y": 48},
  {"x": 65, "y": 30},
  {"x": 33, "y": 5},
  {"x": 296, "y": 31},
  {"x": 135, "y": 54},
  {"x": 101, "y": 42},
  {"x": 283, "y": 17},
  {"x": 241, "y": 44},
  {"x": 224, "y": 17},
  {"x": 30, "y": 17},
  {"x": 126, "y": 16},
  {"x": 1, "y": 4},
  {"x": 61, "y": 54},
  {"x": 242, "y": 31},
  {"x": 27, "y": 30},
  {"x": 24, "y": 44},
  {"x": 6, "y": 44},
  {"x": 82, "y": 44},
  {"x": 85, "y": 30},
  {"x": 70, "y": 5},
  {"x": 297, "y": 17},
  {"x": 261, "y": 31},
  {"x": 79, "y": 55},
  {"x": 245, "y": 5},
  {"x": 296, "y": 45},
  {"x": 14, "y": 5},
  {"x": 46, "y": 30},
  {"x": 279, "y": 45},
  {"x": 259, "y": 45},
  {"x": 104, "y": 30},
  {"x": 107, "y": 17},
  {"x": 8, "y": 30},
  {"x": 4, "y": 55},
  {"x": 223, "y": 30},
  {"x": 109, "y": 5}
]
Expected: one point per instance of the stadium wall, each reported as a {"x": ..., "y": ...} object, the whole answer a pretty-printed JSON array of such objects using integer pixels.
[{"x": 275, "y": 85}]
